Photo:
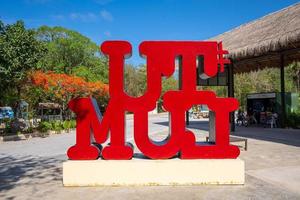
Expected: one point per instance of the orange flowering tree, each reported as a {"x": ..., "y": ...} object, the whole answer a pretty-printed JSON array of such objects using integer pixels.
[{"x": 62, "y": 87}]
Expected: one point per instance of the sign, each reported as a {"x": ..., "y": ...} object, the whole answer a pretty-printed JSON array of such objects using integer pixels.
[
  {"x": 160, "y": 57},
  {"x": 261, "y": 96}
]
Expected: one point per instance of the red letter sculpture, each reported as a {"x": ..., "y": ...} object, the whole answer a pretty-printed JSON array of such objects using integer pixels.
[{"x": 160, "y": 57}]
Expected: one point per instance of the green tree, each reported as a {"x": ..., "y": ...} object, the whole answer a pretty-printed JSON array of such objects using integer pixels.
[
  {"x": 265, "y": 80},
  {"x": 19, "y": 53},
  {"x": 293, "y": 73},
  {"x": 68, "y": 49},
  {"x": 169, "y": 84},
  {"x": 92, "y": 74},
  {"x": 135, "y": 80}
]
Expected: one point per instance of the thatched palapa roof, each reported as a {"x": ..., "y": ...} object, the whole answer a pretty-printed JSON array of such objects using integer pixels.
[
  {"x": 258, "y": 43},
  {"x": 49, "y": 105}
]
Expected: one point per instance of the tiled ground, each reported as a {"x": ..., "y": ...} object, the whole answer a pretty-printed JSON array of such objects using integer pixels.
[{"x": 272, "y": 172}]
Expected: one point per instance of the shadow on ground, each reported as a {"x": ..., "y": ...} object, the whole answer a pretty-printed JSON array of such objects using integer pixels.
[
  {"x": 17, "y": 171},
  {"x": 277, "y": 135},
  {"x": 202, "y": 125}
]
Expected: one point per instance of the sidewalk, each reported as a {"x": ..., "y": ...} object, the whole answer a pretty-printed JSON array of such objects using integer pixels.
[
  {"x": 131, "y": 115},
  {"x": 272, "y": 172}
]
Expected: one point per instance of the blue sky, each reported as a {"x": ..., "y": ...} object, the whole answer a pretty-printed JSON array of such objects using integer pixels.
[{"x": 141, "y": 20}]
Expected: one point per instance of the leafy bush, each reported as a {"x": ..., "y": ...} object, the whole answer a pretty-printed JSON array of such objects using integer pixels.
[
  {"x": 293, "y": 120},
  {"x": 29, "y": 130},
  {"x": 45, "y": 126},
  {"x": 72, "y": 123},
  {"x": 66, "y": 125},
  {"x": 6, "y": 128},
  {"x": 57, "y": 126}
]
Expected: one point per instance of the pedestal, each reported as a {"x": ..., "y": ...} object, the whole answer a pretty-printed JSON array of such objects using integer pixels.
[{"x": 153, "y": 172}]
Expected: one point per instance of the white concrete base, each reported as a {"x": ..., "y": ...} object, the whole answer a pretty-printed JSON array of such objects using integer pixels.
[{"x": 153, "y": 172}]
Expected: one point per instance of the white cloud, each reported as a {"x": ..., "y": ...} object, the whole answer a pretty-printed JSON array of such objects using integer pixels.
[
  {"x": 85, "y": 17},
  {"x": 107, "y": 33},
  {"x": 106, "y": 15}
]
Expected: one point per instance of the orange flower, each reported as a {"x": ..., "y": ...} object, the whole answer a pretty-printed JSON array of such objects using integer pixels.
[{"x": 68, "y": 85}]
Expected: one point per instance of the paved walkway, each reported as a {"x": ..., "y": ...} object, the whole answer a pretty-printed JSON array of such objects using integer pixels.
[{"x": 33, "y": 169}]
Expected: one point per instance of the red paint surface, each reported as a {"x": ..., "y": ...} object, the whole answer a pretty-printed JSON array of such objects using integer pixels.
[{"x": 160, "y": 57}]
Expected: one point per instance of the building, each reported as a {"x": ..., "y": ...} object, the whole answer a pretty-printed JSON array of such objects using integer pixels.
[{"x": 270, "y": 41}]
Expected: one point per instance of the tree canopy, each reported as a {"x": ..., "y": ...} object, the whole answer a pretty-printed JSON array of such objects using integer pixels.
[
  {"x": 61, "y": 88},
  {"x": 70, "y": 52},
  {"x": 20, "y": 52},
  {"x": 54, "y": 50}
]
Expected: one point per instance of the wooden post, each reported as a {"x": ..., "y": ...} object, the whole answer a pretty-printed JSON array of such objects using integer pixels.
[
  {"x": 282, "y": 91},
  {"x": 230, "y": 86}
]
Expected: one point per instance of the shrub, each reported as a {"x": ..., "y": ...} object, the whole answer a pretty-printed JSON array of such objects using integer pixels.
[
  {"x": 29, "y": 130},
  {"x": 293, "y": 120},
  {"x": 7, "y": 125},
  {"x": 57, "y": 126},
  {"x": 66, "y": 125},
  {"x": 72, "y": 123},
  {"x": 45, "y": 126}
]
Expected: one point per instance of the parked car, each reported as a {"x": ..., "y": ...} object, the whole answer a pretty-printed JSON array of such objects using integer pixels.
[{"x": 6, "y": 113}]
